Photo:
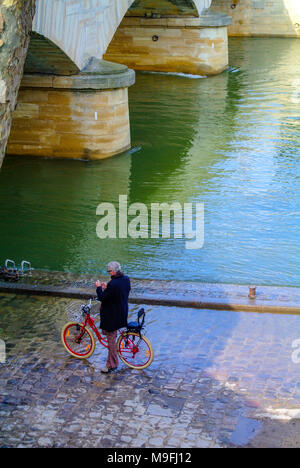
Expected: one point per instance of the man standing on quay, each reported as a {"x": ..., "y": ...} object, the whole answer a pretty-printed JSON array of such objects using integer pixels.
[{"x": 114, "y": 310}]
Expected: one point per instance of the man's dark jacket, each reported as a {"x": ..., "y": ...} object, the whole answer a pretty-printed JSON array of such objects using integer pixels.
[{"x": 114, "y": 303}]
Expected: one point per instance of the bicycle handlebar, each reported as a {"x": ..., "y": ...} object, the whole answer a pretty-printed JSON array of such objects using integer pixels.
[{"x": 86, "y": 308}]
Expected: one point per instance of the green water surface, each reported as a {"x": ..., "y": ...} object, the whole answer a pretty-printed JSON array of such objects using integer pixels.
[{"x": 230, "y": 141}]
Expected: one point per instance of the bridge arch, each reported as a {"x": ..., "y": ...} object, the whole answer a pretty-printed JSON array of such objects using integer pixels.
[
  {"x": 169, "y": 8},
  {"x": 81, "y": 29},
  {"x": 84, "y": 29},
  {"x": 43, "y": 56},
  {"x": 84, "y": 113}
]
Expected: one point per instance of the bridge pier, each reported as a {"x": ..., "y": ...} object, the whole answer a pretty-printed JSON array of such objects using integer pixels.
[
  {"x": 82, "y": 116},
  {"x": 195, "y": 45}
]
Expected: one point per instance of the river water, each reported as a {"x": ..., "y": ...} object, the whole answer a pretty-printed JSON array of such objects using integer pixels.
[{"x": 231, "y": 142}]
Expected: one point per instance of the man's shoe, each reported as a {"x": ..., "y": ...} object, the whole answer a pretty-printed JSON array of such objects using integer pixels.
[{"x": 107, "y": 370}]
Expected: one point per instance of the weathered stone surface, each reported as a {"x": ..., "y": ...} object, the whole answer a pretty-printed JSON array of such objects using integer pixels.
[
  {"x": 261, "y": 17},
  {"x": 15, "y": 25},
  {"x": 73, "y": 117},
  {"x": 44, "y": 56},
  {"x": 3, "y": 92},
  {"x": 198, "y": 46},
  {"x": 96, "y": 66},
  {"x": 93, "y": 81},
  {"x": 1, "y": 23}
]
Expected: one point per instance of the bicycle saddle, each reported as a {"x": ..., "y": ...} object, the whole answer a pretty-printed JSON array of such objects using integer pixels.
[{"x": 137, "y": 325}]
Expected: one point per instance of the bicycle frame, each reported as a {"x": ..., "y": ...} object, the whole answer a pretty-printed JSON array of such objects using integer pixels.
[{"x": 91, "y": 322}]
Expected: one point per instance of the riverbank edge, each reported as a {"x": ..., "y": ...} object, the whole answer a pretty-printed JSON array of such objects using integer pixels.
[{"x": 214, "y": 296}]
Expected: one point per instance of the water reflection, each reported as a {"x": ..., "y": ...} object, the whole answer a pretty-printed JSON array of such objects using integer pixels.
[{"x": 230, "y": 141}]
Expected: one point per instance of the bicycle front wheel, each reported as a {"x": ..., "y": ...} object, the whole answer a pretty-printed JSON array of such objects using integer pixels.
[
  {"x": 78, "y": 342},
  {"x": 134, "y": 350}
]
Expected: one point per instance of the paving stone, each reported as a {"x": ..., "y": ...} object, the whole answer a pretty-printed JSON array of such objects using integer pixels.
[
  {"x": 45, "y": 442},
  {"x": 220, "y": 376}
]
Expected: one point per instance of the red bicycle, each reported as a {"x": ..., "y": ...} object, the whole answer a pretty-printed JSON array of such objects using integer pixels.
[{"x": 134, "y": 349}]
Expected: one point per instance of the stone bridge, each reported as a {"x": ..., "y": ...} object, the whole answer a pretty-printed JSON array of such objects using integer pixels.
[
  {"x": 84, "y": 29},
  {"x": 72, "y": 103}
]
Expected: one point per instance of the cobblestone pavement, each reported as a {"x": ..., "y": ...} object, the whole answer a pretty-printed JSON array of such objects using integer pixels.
[{"x": 219, "y": 379}]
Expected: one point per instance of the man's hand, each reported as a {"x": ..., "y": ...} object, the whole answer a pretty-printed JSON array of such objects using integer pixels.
[{"x": 103, "y": 285}]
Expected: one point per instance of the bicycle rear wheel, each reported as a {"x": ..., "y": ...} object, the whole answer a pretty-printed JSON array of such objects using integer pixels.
[
  {"x": 79, "y": 343},
  {"x": 134, "y": 350}
]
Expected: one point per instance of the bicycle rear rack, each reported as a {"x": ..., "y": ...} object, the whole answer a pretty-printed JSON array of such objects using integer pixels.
[{"x": 11, "y": 273}]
